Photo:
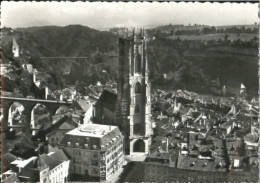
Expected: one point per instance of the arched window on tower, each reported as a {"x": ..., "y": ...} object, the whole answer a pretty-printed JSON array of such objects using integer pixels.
[
  {"x": 137, "y": 88},
  {"x": 137, "y": 109},
  {"x": 138, "y": 63}
]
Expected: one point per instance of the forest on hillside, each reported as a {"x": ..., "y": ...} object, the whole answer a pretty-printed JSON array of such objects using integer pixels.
[{"x": 196, "y": 65}]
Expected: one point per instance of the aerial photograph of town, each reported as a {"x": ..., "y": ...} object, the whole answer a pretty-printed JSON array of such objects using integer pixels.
[{"x": 129, "y": 92}]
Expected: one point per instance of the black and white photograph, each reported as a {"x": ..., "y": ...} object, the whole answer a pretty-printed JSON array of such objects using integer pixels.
[{"x": 128, "y": 92}]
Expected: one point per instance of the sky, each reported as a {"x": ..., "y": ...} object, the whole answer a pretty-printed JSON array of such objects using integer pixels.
[{"x": 105, "y": 15}]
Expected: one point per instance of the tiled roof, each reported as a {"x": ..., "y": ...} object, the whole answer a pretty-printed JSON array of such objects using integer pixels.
[
  {"x": 65, "y": 123},
  {"x": 53, "y": 160},
  {"x": 190, "y": 163},
  {"x": 83, "y": 105},
  {"x": 159, "y": 155},
  {"x": 8, "y": 158}
]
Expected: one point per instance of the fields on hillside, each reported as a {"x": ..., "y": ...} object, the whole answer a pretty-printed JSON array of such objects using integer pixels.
[{"x": 206, "y": 37}]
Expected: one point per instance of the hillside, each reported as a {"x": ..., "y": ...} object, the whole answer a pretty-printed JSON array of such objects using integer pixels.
[
  {"x": 194, "y": 64},
  {"x": 198, "y": 66},
  {"x": 96, "y": 51}
]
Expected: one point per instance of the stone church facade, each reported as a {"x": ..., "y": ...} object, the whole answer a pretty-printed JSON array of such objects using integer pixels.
[
  {"x": 132, "y": 104},
  {"x": 133, "y": 108}
]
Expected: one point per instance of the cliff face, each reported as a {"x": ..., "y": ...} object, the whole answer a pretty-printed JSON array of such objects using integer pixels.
[{"x": 187, "y": 64}]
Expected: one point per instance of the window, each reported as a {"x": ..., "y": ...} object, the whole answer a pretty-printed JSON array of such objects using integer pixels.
[
  {"x": 137, "y": 109},
  {"x": 138, "y": 88},
  {"x": 138, "y": 63},
  {"x": 94, "y": 171},
  {"x": 95, "y": 155},
  {"x": 94, "y": 162},
  {"x": 86, "y": 171}
]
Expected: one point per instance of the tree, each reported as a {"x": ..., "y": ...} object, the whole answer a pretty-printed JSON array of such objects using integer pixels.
[{"x": 226, "y": 37}]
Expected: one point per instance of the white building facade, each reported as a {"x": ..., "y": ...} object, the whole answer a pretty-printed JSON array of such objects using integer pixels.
[{"x": 96, "y": 151}]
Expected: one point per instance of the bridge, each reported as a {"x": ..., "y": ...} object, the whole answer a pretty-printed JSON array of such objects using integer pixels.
[{"x": 28, "y": 106}]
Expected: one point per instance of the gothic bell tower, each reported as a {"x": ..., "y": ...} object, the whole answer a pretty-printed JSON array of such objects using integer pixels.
[{"x": 134, "y": 93}]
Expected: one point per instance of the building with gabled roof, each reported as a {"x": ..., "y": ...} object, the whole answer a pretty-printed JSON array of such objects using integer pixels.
[
  {"x": 105, "y": 108},
  {"x": 57, "y": 131},
  {"x": 54, "y": 167},
  {"x": 45, "y": 168},
  {"x": 88, "y": 109}
]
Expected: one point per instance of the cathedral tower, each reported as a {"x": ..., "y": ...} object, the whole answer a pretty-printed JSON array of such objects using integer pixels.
[{"x": 134, "y": 93}]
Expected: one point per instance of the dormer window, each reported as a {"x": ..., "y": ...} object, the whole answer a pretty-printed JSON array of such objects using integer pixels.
[
  {"x": 77, "y": 144},
  {"x": 86, "y": 146},
  {"x": 68, "y": 143},
  {"x": 94, "y": 146}
]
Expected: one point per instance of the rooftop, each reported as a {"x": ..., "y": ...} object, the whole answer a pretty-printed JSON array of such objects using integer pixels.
[
  {"x": 53, "y": 159},
  {"x": 22, "y": 163},
  {"x": 92, "y": 136},
  {"x": 190, "y": 163},
  {"x": 108, "y": 100},
  {"x": 92, "y": 130},
  {"x": 84, "y": 105}
]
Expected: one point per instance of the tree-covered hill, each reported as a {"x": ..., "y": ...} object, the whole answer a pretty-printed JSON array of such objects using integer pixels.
[{"x": 196, "y": 65}]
